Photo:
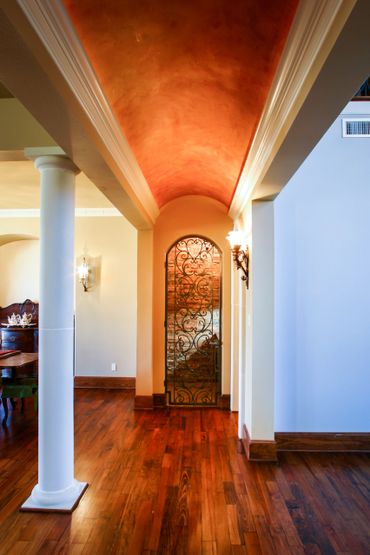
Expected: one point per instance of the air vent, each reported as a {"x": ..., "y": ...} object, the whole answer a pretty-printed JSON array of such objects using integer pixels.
[{"x": 356, "y": 127}]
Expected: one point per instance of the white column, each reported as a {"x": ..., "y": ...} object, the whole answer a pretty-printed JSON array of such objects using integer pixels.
[{"x": 56, "y": 489}]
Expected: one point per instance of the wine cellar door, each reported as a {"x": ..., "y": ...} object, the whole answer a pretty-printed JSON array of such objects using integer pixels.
[{"x": 193, "y": 322}]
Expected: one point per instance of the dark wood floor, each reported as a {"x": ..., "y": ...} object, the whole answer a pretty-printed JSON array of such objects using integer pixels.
[{"x": 176, "y": 482}]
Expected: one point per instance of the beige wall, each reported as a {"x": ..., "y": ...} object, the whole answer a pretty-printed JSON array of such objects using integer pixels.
[
  {"x": 106, "y": 314},
  {"x": 144, "y": 344},
  {"x": 19, "y": 278},
  {"x": 192, "y": 215}
]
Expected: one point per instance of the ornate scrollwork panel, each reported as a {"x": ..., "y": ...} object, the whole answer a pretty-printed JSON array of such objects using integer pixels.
[{"x": 193, "y": 326}]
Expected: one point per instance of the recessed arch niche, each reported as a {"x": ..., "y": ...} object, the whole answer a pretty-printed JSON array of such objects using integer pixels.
[{"x": 20, "y": 263}]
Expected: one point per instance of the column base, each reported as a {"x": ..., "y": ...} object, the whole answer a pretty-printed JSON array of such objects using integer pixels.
[{"x": 64, "y": 501}]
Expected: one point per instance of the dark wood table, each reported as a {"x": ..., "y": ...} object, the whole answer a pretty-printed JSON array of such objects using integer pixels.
[
  {"x": 15, "y": 368},
  {"x": 21, "y": 365}
]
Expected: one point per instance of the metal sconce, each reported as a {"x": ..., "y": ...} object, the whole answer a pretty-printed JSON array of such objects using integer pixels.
[
  {"x": 83, "y": 274},
  {"x": 240, "y": 253}
]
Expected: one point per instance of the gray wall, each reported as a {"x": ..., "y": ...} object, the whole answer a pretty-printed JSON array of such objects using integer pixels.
[{"x": 322, "y": 320}]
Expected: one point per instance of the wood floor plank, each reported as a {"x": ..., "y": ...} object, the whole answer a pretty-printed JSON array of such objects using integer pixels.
[
  {"x": 176, "y": 482},
  {"x": 232, "y": 522}
]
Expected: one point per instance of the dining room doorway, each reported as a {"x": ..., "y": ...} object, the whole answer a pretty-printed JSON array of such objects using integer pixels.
[{"x": 193, "y": 322}]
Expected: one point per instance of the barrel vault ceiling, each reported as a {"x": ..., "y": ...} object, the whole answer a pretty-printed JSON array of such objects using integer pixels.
[
  {"x": 187, "y": 82},
  {"x": 154, "y": 100}
]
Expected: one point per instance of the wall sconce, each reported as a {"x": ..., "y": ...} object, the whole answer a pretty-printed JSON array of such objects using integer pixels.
[
  {"x": 83, "y": 274},
  {"x": 240, "y": 252}
]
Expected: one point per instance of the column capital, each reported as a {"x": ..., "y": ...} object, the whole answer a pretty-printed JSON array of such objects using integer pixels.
[{"x": 51, "y": 157}]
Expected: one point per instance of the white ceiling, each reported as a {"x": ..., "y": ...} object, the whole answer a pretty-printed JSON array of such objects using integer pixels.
[{"x": 19, "y": 188}]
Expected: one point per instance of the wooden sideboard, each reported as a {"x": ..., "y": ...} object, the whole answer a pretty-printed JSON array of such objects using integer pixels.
[{"x": 24, "y": 339}]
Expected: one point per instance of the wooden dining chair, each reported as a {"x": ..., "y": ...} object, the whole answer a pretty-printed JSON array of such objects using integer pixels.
[{"x": 18, "y": 389}]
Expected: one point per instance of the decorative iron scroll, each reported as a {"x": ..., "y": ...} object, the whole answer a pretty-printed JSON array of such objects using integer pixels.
[{"x": 193, "y": 346}]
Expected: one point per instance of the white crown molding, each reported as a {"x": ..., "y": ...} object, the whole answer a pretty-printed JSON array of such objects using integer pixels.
[
  {"x": 315, "y": 28},
  {"x": 19, "y": 213},
  {"x": 53, "y": 26},
  {"x": 97, "y": 213},
  {"x": 79, "y": 213}
]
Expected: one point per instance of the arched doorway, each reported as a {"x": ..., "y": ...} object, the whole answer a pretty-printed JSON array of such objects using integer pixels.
[{"x": 193, "y": 322}]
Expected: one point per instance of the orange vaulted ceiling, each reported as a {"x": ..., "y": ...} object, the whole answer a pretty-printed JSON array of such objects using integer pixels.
[{"x": 187, "y": 81}]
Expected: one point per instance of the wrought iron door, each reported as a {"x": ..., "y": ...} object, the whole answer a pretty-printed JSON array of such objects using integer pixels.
[{"x": 193, "y": 322}]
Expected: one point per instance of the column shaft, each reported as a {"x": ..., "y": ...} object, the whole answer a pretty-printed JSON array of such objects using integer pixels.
[
  {"x": 56, "y": 328},
  {"x": 56, "y": 488}
]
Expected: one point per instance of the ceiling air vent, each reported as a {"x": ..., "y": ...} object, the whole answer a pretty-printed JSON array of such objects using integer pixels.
[{"x": 356, "y": 127}]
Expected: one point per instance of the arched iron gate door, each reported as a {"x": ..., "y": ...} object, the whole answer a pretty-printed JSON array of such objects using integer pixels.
[{"x": 193, "y": 322}]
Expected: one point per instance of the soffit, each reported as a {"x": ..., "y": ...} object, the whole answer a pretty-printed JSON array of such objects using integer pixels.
[
  {"x": 19, "y": 188},
  {"x": 187, "y": 82},
  {"x": 4, "y": 93}
]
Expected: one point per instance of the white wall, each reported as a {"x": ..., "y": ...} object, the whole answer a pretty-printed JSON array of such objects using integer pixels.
[
  {"x": 106, "y": 314},
  {"x": 322, "y": 288}
]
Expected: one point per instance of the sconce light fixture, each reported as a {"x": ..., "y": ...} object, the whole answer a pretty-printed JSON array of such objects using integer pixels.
[
  {"x": 240, "y": 252},
  {"x": 83, "y": 274}
]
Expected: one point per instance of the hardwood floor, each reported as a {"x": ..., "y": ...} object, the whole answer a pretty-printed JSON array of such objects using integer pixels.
[{"x": 177, "y": 483}]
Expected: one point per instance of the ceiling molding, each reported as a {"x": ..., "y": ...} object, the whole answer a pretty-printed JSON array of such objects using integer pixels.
[
  {"x": 12, "y": 155},
  {"x": 315, "y": 28},
  {"x": 53, "y": 26},
  {"x": 97, "y": 213},
  {"x": 79, "y": 213},
  {"x": 19, "y": 213}
]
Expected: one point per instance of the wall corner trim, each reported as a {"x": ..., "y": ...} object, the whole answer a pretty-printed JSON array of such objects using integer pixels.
[{"x": 258, "y": 450}]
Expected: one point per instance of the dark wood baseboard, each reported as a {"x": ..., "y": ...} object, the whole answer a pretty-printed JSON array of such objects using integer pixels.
[
  {"x": 224, "y": 402},
  {"x": 104, "y": 382},
  {"x": 149, "y": 402},
  {"x": 321, "y": 441},
  {"x": 258, "y": 450},
  {"x": 143, "y": 402},
  {"x": 159, "y": 400}
]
